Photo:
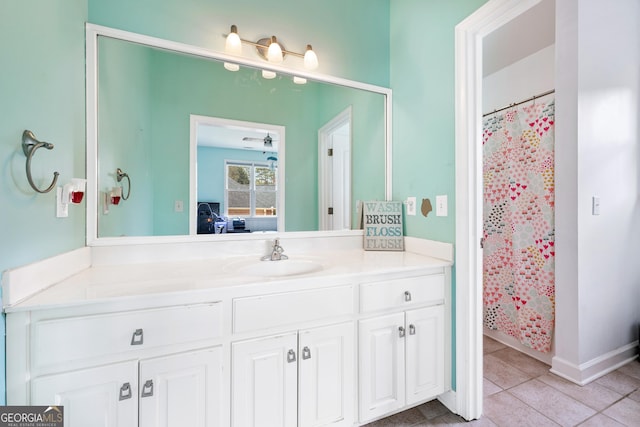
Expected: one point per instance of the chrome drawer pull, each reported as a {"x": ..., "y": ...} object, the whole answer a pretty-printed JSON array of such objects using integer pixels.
[
  {"x": 291, "y": 356},
  {"x": 401, "y": 331},
  {"x": 125, "y": 391},
  {"x": 407, "y": 296},
  {"x": 147, "y": 389},
  {"x": 138, "y": 337},
  {"x": 306, "y": 353},
  {"x": 412, "y": 330}
]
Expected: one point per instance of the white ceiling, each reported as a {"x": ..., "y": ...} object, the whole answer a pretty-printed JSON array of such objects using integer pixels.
[
  {"x": 528, "y": 33},
  {"x": 228, "y": 136}
]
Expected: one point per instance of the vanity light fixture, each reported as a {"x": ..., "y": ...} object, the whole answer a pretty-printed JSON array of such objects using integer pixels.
[
  {"x": 233, "y": 46},
  {"x": 269, "y": 49}
]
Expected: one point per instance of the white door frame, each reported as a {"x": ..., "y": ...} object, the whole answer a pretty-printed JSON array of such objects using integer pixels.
[
  {"x": 468, "y": 160},
  {"x": 325, "y": 193}
]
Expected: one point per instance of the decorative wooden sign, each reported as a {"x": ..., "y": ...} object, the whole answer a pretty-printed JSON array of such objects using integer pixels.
[{"x": 382, "y": 223}]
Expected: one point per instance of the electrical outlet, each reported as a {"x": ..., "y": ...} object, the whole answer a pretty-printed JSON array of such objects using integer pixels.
[
  {"x": 411, "y": 206},
  {"x": 178, "y": 206},
  {"x": 441, "y": 206},
  {"x": 62, "y": 209}
]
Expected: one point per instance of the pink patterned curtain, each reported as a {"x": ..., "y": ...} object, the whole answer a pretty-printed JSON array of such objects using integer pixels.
[{"x": 519, "y": 252}]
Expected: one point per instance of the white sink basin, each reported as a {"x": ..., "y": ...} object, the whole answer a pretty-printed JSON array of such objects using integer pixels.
[{"x": 285, "y": 267}]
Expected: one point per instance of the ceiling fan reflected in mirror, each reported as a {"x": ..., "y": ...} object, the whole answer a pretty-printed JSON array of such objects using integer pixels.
[{"x": 268, "y": 141}]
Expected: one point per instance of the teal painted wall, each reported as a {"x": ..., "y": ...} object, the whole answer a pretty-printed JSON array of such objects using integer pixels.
[
  {"x": 124, "y": 125},
  {"x": 422, "y": 78},
  {"x": 351, "y": 38},
  {"x": 41, "y": 89}
]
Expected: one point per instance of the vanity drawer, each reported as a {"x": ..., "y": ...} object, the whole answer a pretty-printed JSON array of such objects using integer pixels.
[
  {"x": 399, "y": 293},
  {"x": 64, "y": 340},
  {"x": 267, "y": 311}
]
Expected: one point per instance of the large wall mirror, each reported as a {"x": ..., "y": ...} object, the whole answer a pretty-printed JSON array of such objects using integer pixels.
[{"x": 179, "y": 146}]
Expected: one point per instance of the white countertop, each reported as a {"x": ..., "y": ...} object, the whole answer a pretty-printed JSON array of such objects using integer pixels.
[
  {"x": 145, "y": 275},
  {"x": 127, "y": 281}
]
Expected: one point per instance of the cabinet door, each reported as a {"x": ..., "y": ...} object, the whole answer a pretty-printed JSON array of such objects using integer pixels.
[
  {"x": 101, "y": 397},
  {"x": 326, "y": 376},
  {"x": 381, "y": 345},
  {"x": 182, "y": 389},
  {"x": 425, "y": 353},
  {"x": 264, "y": 382}
]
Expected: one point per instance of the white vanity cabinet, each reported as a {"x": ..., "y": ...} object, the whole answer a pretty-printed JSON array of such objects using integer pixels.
[
  {"x": 339, "y": 348},
  {"x": 101, "y": 396},
  {"x": 303, "y": 378},
  {"x": 135, "y": 368},
  {"x": 401, "y": 353},
  {"x": 180, "y": 389}
]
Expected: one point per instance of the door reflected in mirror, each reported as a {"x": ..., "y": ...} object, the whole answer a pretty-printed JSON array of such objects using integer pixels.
[{"x": 146, "y": 98}]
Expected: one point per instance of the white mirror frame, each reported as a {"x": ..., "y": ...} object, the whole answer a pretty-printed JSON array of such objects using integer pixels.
[{"x": 92, "y": 33}]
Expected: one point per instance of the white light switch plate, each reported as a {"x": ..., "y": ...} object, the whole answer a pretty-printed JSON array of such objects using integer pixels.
[
  {"x": 595, "y": 205},
  {"x": 62, "y": 209},
  {"x": 441, "y": 206}
]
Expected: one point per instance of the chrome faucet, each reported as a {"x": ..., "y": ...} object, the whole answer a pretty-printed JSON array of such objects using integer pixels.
[{"x": 276, "y": 253}]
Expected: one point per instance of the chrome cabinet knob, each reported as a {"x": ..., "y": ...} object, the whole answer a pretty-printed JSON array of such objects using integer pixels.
[
  {"x": 138, "y": 337},
  {"x": 147, "y": 389}
]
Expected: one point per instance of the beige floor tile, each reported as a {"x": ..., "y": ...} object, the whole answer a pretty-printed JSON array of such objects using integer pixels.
[
  {"x": 503, "y": 374},
  {"x": 407, "y": 418},
  {"x": 455, "y": 420},
  {"x": 632, "y": 369},
  {"x": 593, "y": 395},
  {"x": 635, "y": 396},
  {"x": 490, "y": 345},
  {"x": 505, "y": 410},
  {"x": 519, "y": 360},
  {"x": 552, "y": 403},
  {"x": 433, "y": 409},
  {"x": 626, "y": 411},
  {"x": 489, "y": 388},
  {"x": 601, "y": 421},
  {"x": 617, "y": 381}
]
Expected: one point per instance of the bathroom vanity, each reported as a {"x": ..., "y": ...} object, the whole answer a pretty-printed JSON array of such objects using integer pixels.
[{"x": 341, "y": 338}]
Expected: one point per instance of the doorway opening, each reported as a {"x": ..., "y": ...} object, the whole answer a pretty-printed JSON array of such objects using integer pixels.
[
  {"x": 334, "y": 173},
  {"x": 469, "y": 35}
]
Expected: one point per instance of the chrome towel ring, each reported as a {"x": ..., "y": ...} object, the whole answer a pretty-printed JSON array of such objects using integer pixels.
[
  {"x": 29, "y": 146},
  {"x": 119, "y": 175}
]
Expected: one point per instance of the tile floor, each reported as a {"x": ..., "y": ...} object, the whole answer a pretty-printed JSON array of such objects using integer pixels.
[{"x": 520, "y": 391}]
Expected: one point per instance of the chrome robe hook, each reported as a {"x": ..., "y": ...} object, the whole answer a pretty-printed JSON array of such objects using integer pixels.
[{"x": 29, "y": 146}]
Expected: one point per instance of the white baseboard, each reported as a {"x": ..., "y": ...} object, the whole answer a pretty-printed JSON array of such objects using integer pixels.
[
  {"x": 448, "y": 399},
  {"x": 587, "y": 372},
  {"x": 516, "y": 345}
]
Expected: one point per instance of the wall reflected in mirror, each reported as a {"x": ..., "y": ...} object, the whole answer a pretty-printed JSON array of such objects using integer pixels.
[{"x": 146, "y": 97}]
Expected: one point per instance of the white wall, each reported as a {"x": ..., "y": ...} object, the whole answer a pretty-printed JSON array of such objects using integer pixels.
[
  {"x": 521, "y": 80},
  {"x": 597, "y": 154}
]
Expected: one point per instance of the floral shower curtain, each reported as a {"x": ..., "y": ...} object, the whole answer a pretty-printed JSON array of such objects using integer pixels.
[{"x": 519, "y": 251}]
